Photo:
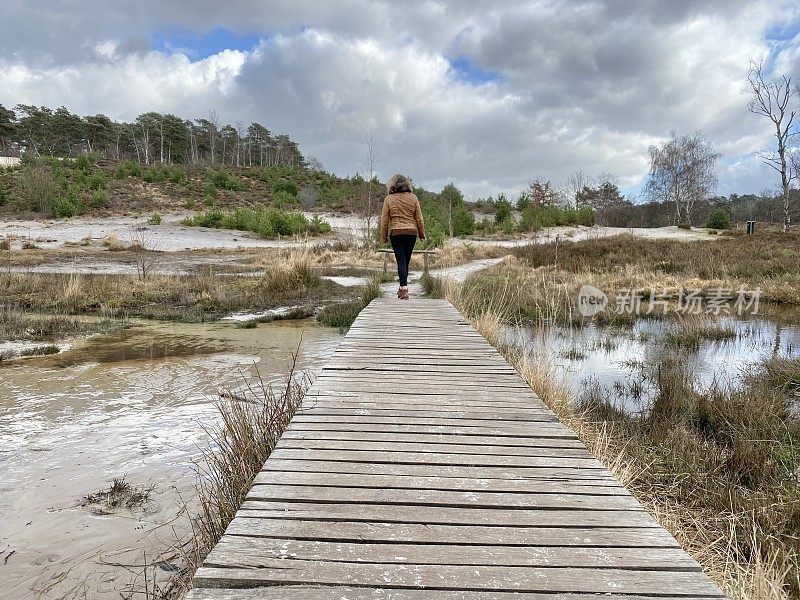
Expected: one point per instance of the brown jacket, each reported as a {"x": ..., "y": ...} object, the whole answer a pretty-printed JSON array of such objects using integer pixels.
[{"x": 402, "y": 214}]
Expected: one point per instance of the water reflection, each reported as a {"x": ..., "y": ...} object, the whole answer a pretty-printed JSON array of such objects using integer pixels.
[{"x": 618, "y": 358}]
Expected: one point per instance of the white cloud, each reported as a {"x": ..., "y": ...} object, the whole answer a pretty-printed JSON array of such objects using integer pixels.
[{"x": 583, "y": 85}]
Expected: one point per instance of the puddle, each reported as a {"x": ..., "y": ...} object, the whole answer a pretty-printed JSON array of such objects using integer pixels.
[
  {"x": 617, "y": 358},
  {"x": 131, "y": 405}
]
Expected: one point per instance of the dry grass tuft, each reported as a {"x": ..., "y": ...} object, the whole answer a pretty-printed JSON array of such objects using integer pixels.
[
  {"x": 692, "y": 332},
  {"x": 113, "y": 243}
]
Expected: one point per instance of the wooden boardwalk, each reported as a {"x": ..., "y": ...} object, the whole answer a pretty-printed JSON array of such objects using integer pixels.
[{"x": 422, "y": 467}]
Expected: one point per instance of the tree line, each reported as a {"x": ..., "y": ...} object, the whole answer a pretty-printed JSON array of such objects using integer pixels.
[{"x": 150, "y": 138}]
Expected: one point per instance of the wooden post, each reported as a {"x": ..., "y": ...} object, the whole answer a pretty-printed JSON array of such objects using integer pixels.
[
  {"x": 424, "y": 262},
  {"x": 385, "y": 262}
]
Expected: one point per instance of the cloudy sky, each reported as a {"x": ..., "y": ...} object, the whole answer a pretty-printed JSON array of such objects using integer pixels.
[{"x": 485, "y": 94}]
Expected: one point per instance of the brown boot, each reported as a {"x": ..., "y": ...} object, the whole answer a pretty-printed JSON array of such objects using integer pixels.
[
  {"x": 399, "y": 292},
  {"x": 404, "y": 294}
]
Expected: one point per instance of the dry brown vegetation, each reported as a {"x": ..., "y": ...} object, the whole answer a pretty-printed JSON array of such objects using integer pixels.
[
  {"x": 15, "y": 325},
  {"x": 288, "y": 279},
  {"x": 766, "y": 260},
  {"x": 719, "y": 469}
]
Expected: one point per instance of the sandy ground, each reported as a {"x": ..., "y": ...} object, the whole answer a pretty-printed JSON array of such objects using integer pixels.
[
  {"x": 577, "y": 233},
  {"x": 171, "y": 236},
  {"x": 180, "y": 248}
]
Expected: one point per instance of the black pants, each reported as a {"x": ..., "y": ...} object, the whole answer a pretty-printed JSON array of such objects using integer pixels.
[{"x": 403, "y": 246}]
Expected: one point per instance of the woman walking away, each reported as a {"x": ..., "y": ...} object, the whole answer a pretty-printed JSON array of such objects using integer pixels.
[{"x": 401, "y": 222}]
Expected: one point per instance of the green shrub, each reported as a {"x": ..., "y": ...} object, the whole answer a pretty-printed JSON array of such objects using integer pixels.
[
  {"x": 129, "y": 168},
  {"x": 100, "y": 199},
  {"x": 434, "y": 234},
  {"x": 39, "y": 187},
  {"x": 285, "y": 185},
  {"x": 485, "y": 226},
  {"x": 318, "y": 225},
  {"x": 97, "y": 181},
  {"x": 210, "y": 191},
  {"x": 502, "y": 211},
  {"x": 179, "y": 176},
  {"x": 4, "y": 195},
  {"x": 535, "y": 217},
  {"x": 282, "y": 199},
  {"x": 66, "y": 205},
  {"x": 266, "y": 222},
  {"x": 226, "y": 181},
  {"x": 210, "y": 218},
  {"x": 686, "y": 226},
  {"x": 530, "y": 220},
  {"x": 719, "y": 219},
  {"x": 156, "y": 174},
  {"x": 585, "y": 215},
  {"x": 155, "y": 219},
  {"x": 85, "y": 161},
  {"x": 463, "y": 221},
  {"x": 340, "y": 315}
]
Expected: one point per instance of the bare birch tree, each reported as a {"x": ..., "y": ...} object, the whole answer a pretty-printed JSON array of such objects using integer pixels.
[
  {"x": 683, "y": 170},
  {"x": 777, "y": 101},
  {"x": 369, "y": 191},
  {"x": 575, "y": 182}
]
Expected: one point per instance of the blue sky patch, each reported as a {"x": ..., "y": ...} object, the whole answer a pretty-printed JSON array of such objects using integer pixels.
[
  {"x": 198, "y": 45},
  {"x": 471, "y": 73},
  {"x": 782, "y": 33}
]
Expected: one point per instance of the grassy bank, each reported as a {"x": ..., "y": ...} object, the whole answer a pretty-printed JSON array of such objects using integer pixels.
[
  {"x": 343, "y": 314},
  {"x": 718, "y": 468},
  {"x": 288, "y": 279},
  {"x": 19, "y": 326}
]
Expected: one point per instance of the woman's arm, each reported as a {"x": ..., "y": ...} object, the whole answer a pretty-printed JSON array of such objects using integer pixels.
[
  {"x": 385, "y": 221},
  {"x": 420, "y": 221}
]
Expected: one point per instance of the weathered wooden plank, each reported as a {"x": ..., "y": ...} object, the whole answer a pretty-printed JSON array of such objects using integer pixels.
[
  {"x": 510, "y": 424},
  {"x": 428, "y": 533},
  {"x": 369, "y": 402},
  {"x": 444, "y": 498},
  {"x": 421, "y": 438},
  {"x": 427, "y": 470},
  {"x": 540, "y": 485},
  {"x": 442, "y": 577},
  {"x": 474, "y": 460},
  {"x": 241, "y": 551},
  {"x": 442, "y": 400},
  {"x": 388, "y": 411},
  {"x": 537, "y": 432},
  {"x": 398, "y": 513},
  {"x": 451, "y": 448}
]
